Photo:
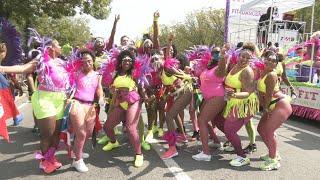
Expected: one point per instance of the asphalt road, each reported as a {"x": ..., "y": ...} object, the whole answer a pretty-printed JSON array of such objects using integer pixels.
[{"x": 299, "y": 142}]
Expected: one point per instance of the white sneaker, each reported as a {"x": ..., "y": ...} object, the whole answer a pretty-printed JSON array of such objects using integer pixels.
[
  {"x": 239, "y": 161},
  {"x": 201, "y": 157},
  {"x": 80, "y": 165},
  {"x": 216, "y": 145},
  {"x": 229, "y": 148},
  {"x": 84, "y": 155}
]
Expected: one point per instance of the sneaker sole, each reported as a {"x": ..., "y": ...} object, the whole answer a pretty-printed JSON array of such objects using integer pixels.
[
  {"x": 172, "y": 156},
  {"x": 271, "y": 168},
  {"x": 80, "y": 170},
  {"x": 234, "y": 165},
  {"x": 278, "y": 158},
  {"x": 207, "y": 160}
]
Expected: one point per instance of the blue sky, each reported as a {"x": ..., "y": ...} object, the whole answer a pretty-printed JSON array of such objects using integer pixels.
[{"x": 137, "y": 15}]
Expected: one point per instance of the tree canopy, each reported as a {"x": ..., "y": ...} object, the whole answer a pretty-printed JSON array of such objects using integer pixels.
[
  {"x": 18, "y": 10},
  {"x": 74, "y": 31},
  {"x": 305, "y": 14},
  {"x": 205, "y": 27},
  {"x": 48, "y": 16}
]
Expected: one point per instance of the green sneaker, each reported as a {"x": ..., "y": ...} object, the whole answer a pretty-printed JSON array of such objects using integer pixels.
[
  {"x": 265, "y": 157},
  {"x": 270, "y": 164},
  {"x": 145, "y": 146},
  {"x": 160, "y": 132},
  {"x": 110, "y": 146},
  {"x": 103, "y": 140},
  {"x": 155, "y": 129},
  {"x": 138, "y": 162}
]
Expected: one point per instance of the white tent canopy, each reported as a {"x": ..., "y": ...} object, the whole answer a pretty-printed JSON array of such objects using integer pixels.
[{"x": 282, "y": 5}]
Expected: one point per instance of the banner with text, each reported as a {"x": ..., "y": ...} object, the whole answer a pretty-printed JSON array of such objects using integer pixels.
[{"x": 306, "y": 96}]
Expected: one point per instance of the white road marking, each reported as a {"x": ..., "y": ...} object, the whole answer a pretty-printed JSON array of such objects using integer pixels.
[{"x": 171, "y": 164}]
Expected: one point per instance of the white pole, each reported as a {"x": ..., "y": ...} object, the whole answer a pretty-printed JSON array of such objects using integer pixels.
[
  {"x": 270, "y": 23},
  {"x": 312, "y": 50}
]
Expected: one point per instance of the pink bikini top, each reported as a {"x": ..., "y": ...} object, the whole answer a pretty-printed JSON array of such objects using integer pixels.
[
  {"x": 86, "y": 86},
  {"x": 211, "y": 85}
]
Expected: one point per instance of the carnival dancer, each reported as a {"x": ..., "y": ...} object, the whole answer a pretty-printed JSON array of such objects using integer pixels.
[
  {"x": 212, "y": 88},
  {"x": 83, "y": 114},
  {"x": 195, "y": 99},
  {"x": 276, "y": 110},
  {"x": 126, "y": 105},
  {"x": 181, "y": 91},
  {"x": 242, "y": 104},
  {"x": 251, "y": 131},
  {"x": 280, "y": 70},
  {"x": 252, "y": 146},
  {"x": 48, "y": 103},
  {"x": 155, "y": 87}
]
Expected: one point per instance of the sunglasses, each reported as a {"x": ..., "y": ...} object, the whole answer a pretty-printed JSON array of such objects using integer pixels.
[{"x": 126, "y": 60}]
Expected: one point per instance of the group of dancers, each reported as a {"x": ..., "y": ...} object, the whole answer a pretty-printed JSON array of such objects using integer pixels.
[{"x": 223, "y": 87}]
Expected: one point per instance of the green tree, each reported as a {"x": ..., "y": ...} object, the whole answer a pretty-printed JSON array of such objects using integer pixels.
[
  {"x": 205, "y": 27},
  {"x": 25, "y": 12},
  {"x": 305, "y": 15},
  {"x": 74, "y": 31}
]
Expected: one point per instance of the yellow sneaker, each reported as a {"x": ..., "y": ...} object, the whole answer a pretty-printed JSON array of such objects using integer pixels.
[
  {"x": 103, "y": 140},
  {"x": 110, "y": 146},
  {"x": 138, "y": 162},
  {"x": 160, "y": 132}
]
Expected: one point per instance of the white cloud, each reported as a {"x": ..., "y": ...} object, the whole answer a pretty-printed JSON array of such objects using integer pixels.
[{"x": 136, "y": 15}]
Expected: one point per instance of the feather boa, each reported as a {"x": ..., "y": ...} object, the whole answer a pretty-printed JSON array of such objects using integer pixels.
[
  {"x": 171, "y": 63},
  {"x": 201, "y": 56},
  {"x": 108, "y": 69},
  {"x": 73, "y": 66},
  {"x": 141, "y": 70},
  {"x": 43, "y": 68},
  {"x": 11, "y": 38}
]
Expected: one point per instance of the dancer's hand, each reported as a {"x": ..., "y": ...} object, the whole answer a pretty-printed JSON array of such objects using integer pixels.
[
  {"x": 229, "y": 93},
  {"x": 117, "y": 18},
  {"x": 156, "y": 15},
  {"x": 148, "y": 100}
]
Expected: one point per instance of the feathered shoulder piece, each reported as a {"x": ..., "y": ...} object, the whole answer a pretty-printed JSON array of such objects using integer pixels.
[
  {"x": 141, "y": 69},
  {"x": 171, "y": 63},
  {"x": 10, "y": 36},
  {"x": 73, "y": 66},
  {"x": 257, "y": 63},
  {"x": 108, "y": 68},
  {"x": 201, "y": 56}
]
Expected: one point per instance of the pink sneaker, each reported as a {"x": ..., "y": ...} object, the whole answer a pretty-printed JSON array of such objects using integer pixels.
[
  {"x": 182, "y": 138},
  {"x": 55, "y": 162},
  {"x": 47, "y": 166},
  {"x": 172, "y": 152}
]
